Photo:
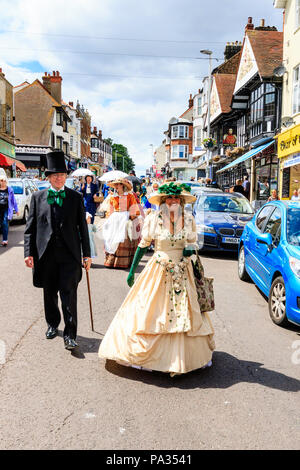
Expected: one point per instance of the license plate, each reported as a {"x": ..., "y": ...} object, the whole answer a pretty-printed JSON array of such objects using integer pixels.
[{"x": 230, "y": 240}]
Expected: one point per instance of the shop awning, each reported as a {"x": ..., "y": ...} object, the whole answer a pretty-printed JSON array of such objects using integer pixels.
[
  {"x": 8, "y": 161},
  {"x": 246, "y": 156}
]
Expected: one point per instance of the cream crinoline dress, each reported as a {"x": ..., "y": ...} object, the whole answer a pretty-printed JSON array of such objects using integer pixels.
[{"x": 159, "y": 326}]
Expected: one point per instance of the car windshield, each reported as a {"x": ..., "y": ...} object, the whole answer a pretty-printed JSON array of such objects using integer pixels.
[
  {"x": 221, "y": 203},
  {"x": 43, "y": 185},
  {"x": 293, "y": 226},
  {"x": 16, "y": 186}
]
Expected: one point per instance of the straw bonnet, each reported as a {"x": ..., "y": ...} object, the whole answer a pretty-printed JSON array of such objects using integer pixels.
[
  {"x": 172, "y": 189},
  {"x": 124, "y": 181}
]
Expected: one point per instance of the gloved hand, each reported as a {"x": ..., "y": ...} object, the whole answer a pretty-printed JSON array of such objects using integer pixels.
[
  {"x": 137, "y": 258},
  {"x": 188, "y": 252},
  {"x": 130, "y": 279}
]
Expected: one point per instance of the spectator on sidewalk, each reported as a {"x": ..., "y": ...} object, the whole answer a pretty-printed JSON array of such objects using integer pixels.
[{"x": 8, "y": 205}]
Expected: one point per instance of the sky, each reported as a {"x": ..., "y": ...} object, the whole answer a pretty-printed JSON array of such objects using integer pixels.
[{"x": 132, "y": 63}]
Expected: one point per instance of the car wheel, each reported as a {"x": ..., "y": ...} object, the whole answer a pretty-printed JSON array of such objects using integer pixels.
[
  {"x": 243, "y": 275},
  {"x": 25, "y": 215},
  {"x": 277, "y": 302}
]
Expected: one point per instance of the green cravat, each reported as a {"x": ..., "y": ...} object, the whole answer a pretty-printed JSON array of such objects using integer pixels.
[{"x": 56, "y": 196}]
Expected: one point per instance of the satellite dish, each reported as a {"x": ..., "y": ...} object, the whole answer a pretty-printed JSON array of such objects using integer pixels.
[
  {"x": 287, "y": 121},
  {"x": 279, "y": 71}
]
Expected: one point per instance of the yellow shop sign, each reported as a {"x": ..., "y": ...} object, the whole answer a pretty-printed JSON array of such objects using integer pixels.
[{"x": 289, "y": 142}]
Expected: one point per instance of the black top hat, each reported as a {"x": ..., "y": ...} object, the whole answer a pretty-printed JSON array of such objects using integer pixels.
[{"x": 56, "y": 163}]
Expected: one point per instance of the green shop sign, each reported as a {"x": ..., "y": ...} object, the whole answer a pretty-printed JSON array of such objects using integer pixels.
[{"x": 7, "y": 149}]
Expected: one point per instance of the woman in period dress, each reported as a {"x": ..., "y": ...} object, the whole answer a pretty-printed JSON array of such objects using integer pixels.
[
  {"x": 160, "y": 326},
  {"x": 89, "y": 190},
  {"x": 121, "y": 231}
]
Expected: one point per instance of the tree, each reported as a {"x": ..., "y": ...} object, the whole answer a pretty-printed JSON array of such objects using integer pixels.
[{"x": 121, "y": 157}]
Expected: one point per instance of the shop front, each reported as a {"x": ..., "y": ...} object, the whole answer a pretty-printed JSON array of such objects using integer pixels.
[
  {"x": 34, "y": 158},
  {"x": 289, "y": 157},
  {"x": 8, "y": 159},
  {"x": 260, "y": 164}
]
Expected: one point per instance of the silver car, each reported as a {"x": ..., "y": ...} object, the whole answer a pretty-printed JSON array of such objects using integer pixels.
[{"x": 23, "y": 189}]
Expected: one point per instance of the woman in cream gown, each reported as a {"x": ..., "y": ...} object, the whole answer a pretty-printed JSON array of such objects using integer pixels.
[{"x": 159, "y": 326}]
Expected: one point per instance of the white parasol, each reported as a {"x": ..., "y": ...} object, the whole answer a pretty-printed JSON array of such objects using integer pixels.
[
  {"x": 113, "y": 175},
  {"x": 82, "y": 172}
]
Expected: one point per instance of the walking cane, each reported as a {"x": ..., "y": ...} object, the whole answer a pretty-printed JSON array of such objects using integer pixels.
[{"x": 90, "y": 300}]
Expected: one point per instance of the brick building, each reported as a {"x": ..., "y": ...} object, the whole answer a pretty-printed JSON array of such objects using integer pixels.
[
  {"x": 41, "y": 122},
  {"x": 7, "y": 143},
  {"x": 179, "y": 144}
]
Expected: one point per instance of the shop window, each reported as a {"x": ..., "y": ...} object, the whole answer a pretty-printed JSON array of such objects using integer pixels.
[{"x": 296, "y": 90}]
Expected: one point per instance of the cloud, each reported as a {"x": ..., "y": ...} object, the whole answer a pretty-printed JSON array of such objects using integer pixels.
[{"x": 133, "y": 97}]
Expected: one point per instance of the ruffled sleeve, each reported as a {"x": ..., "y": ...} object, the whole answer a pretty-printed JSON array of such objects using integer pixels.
[{"x": 148, "y": 232}]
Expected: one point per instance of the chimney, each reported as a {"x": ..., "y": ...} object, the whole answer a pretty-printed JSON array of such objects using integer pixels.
[
  {"x": 53, "y": 85},
  {"x": 231, "y": 49},
  {"x": 100, "y": 134},
  {"x": 71, "y": 104},
  {"x": 95, "y": 131},
  {"x": 263, "y": 27},
  {"x": 191, "y": 101},
  {"x": 249, "y": 25}
]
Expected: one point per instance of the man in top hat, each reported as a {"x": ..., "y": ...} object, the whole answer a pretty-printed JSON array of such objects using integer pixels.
[{"x": 56, "y": 232}]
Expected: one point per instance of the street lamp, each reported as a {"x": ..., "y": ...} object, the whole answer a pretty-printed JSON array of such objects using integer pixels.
[
  {"x": 152, "y": 158},
  {"x": 209, "y": 53}
]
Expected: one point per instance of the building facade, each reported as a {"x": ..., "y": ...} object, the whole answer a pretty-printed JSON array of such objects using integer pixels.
[
  {"x": 255, "y": 114},
  {"x": 85, "y": 135},
  {"x": 41, "y": 122},
  {"x": 7, "y": 143},
  {"x": 179, "y": 145},
  {"x": 74, "y": 135},
  {"x": 289, "y": 135}
]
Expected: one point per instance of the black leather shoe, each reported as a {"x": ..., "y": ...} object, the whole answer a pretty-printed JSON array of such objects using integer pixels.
[
  {"x": 51, "y": 332},
  {"x": 70, "y": 343}
]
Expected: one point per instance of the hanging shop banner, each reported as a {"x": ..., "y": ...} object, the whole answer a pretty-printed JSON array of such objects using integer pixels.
[
  {"x": 289, "y": 142},
  {"x": 7, "y": 149}
]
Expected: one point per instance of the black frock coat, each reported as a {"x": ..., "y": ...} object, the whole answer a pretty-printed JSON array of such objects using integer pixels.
[{"x": 38, "y": 229}]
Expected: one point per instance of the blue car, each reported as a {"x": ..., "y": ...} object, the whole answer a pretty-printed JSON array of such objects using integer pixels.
[
  {"x": 220, "y": 219},
  {"x": 269, "y": 254}
]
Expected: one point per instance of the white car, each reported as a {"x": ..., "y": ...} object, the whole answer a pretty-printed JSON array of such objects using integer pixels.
[{"x": 23, "y": 189}]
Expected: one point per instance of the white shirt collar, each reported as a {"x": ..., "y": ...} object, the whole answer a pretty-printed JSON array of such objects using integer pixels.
[{"x": 61, "y": 189}]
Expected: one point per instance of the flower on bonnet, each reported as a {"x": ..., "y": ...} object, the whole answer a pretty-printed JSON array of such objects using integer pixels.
[{"x": 173, "y": 189}]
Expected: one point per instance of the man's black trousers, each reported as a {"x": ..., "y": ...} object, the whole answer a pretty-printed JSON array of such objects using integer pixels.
[{"x": 61, "y": 274}]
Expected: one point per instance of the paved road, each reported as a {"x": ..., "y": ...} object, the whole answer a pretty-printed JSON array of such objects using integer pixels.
[{"x": 52, "y": 399}]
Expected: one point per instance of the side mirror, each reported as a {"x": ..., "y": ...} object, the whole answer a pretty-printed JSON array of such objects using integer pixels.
[{"x": 265, "y": 239}]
